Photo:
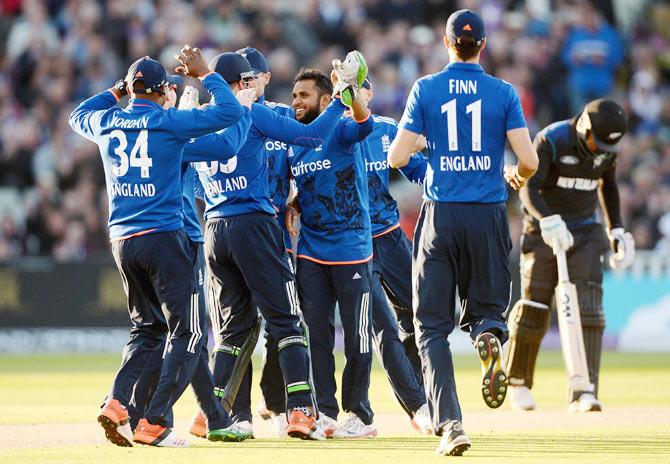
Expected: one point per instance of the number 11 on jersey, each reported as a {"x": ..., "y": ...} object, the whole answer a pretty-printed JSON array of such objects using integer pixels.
[{"x": 452, "y": 129}]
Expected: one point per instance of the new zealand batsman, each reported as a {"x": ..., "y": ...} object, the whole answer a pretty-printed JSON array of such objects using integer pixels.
[{"x": 577, "y": 167}]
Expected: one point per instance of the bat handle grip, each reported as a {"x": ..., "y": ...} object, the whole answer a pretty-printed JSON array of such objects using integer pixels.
[{"x": 562, "y": 266}]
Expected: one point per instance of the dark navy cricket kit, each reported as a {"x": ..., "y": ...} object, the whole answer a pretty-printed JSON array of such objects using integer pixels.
[
  {"x": 462, "y": 236},
  {"x": 141, "y": 149},
  {"x": 334, "y": 252},
  {"x": 392, "y": 326},
  {"x": 246, "y": 255},
  {"x": 202, "y": 381}
]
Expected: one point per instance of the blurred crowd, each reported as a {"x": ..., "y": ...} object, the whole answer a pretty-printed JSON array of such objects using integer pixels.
[{"x": 557, "y": 53}]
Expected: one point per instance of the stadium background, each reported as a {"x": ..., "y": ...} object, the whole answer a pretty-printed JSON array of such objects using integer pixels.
[{"x": 56, "y": 273}]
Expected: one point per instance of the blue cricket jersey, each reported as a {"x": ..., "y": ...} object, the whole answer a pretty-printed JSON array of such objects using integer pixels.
[
  {"x": 231, "y": 140},
  {"x": 278, "y": 170},
  {"x": 465, "y": 115},
  {"x": 384, "y": 213},
  {"x": 238, "y": 182},
  {"x": 333, "y": 196},
  {"x": 141, "y": 149}
]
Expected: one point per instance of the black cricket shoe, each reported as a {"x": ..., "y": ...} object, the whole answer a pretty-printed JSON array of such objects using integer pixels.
[
  {"x": 494, "y": 378},
  {"x": 454, "y": 441}
]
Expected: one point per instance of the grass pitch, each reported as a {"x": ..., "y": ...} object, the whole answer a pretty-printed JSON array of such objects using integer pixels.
[{"x": 48, "y": 406}]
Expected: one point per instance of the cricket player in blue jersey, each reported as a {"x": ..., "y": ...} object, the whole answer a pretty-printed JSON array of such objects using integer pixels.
[
  {"x": 393, "y": 331},
  {"x": 213, "y": 415},
  {"x": 141, "y": 149},
  {"x": 242, "y": 232},
  {"x": 334, "y": 251},
  {"x": 272, "y": 385},
  {"x": 462, "y": 236}
]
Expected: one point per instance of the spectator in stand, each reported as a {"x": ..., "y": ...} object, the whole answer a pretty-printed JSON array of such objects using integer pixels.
[{"x": 592, "y": 52}]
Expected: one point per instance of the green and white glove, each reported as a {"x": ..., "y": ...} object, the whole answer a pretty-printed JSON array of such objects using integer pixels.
[
  {"x": 189, "y": 99},
  {"x": 351, "y": 74}
]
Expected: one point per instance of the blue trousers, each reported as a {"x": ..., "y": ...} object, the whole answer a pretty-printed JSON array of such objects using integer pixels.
[
  {"x": 464, "y": 246},
  {"x": 202, "y": 381},
  {"x": 320, "y": 287},
  {"x": 391, "y": 283}
]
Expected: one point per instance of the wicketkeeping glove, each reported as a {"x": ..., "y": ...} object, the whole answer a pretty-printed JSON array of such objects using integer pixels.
[
  {"x": 555, "y": 233},
  {"x": 189, "y": 99},
  {"x": 351, "y": 74},
  {"x": 623, "y": 246}
]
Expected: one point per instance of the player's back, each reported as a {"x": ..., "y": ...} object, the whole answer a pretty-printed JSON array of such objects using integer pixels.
[
  {"x": 142, "y": 161},
  {"x": 465, "y": 115}
]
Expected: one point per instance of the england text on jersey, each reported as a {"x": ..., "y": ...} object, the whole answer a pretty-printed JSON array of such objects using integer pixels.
[{"x": 465, "y": 163}]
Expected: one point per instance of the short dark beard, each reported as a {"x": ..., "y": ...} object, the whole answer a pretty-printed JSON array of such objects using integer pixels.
[{"x": 310, "y": 115}]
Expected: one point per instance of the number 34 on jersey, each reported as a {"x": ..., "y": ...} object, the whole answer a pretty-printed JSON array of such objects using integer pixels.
[{"x": 138, "y": 158}]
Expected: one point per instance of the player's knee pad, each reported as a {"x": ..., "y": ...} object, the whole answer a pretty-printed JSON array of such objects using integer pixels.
[
  {"x": 291, "y": 341},
  {"x": 528, "y": 322},
  {"x": 590, "y": 296},
  {"x": 226, "y": 348}
]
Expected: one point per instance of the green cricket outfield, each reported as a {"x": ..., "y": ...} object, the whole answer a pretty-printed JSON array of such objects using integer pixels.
[{"x": 48, "y": 406}]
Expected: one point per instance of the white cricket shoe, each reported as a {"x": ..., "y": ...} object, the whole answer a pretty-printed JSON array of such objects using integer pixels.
[
  {"x": 587, "y": 402},
  {"x": 327, "y": 424},
  {"x": 454, "y": 441},
  {"x": 422, "y": 420},
  {"x": 279, "y": 424},
  {"x": 521, "y": 398},
  {"x": 244, "y": 427},
  {"x": 354, "y": 427}
]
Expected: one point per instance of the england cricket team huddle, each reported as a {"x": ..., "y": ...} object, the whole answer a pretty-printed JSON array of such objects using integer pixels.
[{"x": 317, "y": 172}]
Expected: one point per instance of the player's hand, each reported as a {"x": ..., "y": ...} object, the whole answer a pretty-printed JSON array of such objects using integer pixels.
[
  {"x": 555, "y": 233},
  {"x": 291, "y": 216},
  {"x": 120, "y": 89},
  {"x": 192, "y": 62},
  {"x": 513, "y": 178},
  {"x": 349, "y": 76},
  {"x": 189, "y": 99},
  {"x": 246, "y": 97},
  {"x": 623, "y": 246},
  {"x": 170, "y": 97},
  {"x": 420, "y": 144}
]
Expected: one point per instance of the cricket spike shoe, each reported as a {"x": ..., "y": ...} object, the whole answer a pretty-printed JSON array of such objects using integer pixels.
[
  {"x": 454, "y": 441},
  {"x": 494, "y": 378},
  {"x": 157, "y": 435},
  {"x": 587, "y": 402},
  {"x": 114, "y": 419},
  {"x": 238, "y": 431},
  {"x": 302, "y": 424},
  {"x": 199, "y": 426},
  {"x": 354, "y": 427},
  {"x": 327, "y": 424},
  {"x": 520, "y": 397},
  {"x": 422, "y": 420}
]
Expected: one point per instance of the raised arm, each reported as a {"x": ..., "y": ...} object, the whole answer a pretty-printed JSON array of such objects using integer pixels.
[
  {"x": 225, "y": 110},
  {"x": 221, "y": 145},
  {"x": 285, "y": 129},
  {"x": 85, "y": 119}
]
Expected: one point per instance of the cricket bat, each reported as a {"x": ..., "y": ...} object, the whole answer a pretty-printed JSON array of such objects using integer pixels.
[{"x": 570, "y": 327}]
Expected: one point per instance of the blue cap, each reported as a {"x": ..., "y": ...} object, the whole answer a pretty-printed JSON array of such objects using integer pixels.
[
  {"x": 151, "y": 73},
  {"x": 255, "y": 58},
  {"x": 464, "y": 22},
  {"x": 231, "y": 66}
]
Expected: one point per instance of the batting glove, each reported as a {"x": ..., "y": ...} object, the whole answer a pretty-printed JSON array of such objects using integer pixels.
[
  {"x": 555, "y": 233},
  {"x": 623, "y": 245},
  {"x": 350, "y": 76},
  {"x": 189, "y": 99}
]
